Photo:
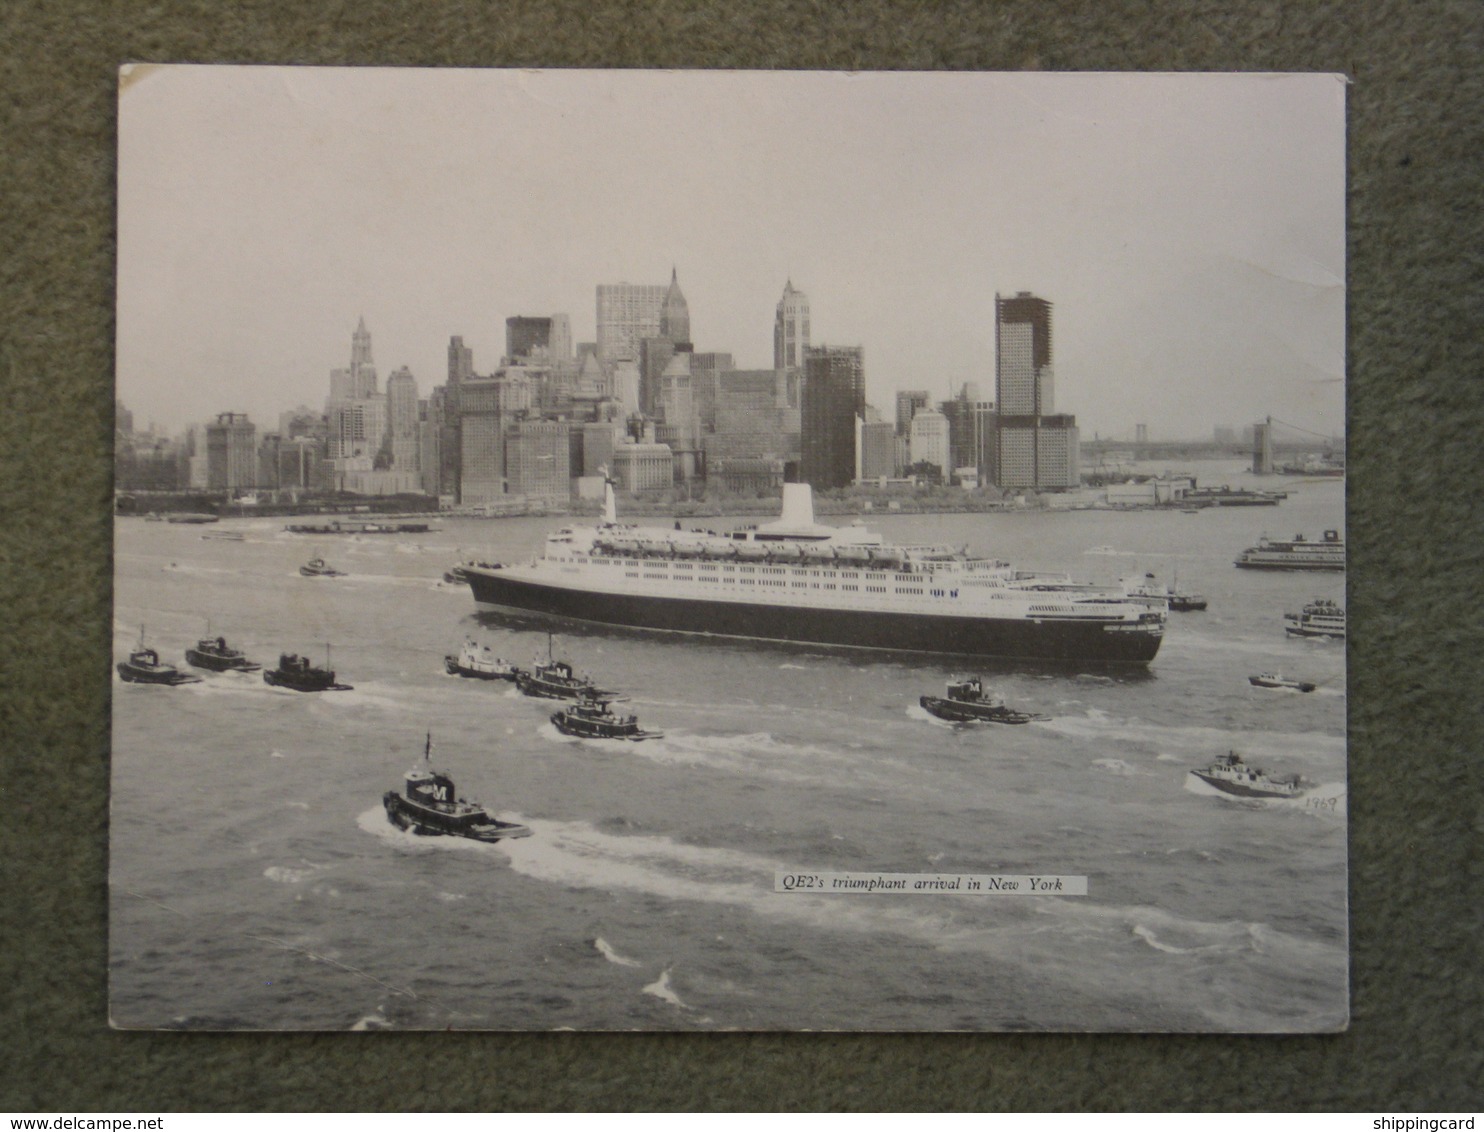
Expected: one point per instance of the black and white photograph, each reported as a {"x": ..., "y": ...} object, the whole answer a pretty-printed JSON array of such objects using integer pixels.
[{"x": 720, "y": 550}]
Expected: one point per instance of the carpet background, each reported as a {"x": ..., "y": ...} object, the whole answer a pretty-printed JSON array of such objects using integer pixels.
[{"x": 1416, "y": 410}]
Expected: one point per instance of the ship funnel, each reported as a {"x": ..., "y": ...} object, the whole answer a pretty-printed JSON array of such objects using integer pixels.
[{"x": 798, "y": 506}]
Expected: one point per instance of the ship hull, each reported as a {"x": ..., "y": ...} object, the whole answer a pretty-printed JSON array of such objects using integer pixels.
[
  {"x": 1046, "y": 640},
  {"x": 1282, "y": 564},
  {"x": 1238, "y": 790}
]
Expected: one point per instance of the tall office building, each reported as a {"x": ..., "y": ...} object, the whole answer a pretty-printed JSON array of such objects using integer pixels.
[
  {"x": 628, "y": 313},
  {"x": 909, "y": 401},
  {"x": 878, "y": 450},
  {"x": 362, "y": 369},
  {"x": 1035, "y": 447},
  {"x": 460, "y": 361},
  {"x": 791, "y": 329},
  {"x": 675, "y": 315},
  {"x": 402, "y": 420},
  {"x": 548, "y": 337},
  {"x": 834, "y": 396},
  {"x": 231, "y": 452},
  {"x": 928, "y": 441}
]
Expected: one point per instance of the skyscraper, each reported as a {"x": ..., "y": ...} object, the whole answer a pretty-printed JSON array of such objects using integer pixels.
[
  {"x": 909, "y": 401},
  {"x": 675, "y": 315},
  {"x": 362, "y": 369},
  {"x": 628, "y": 313},
  {"x": 791, "y": 329},
  {"x": 1034, "y": 448},
  {"x": 834, "y": 396},
  {"x": 231, "y": 452},
  {"x": 402, "y": 420}
]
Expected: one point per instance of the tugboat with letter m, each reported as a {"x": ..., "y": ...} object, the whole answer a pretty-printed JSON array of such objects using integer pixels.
[
  {"x": 1231, "y": 775},
  {"x": 479, "y": 662},
  {"x": 145, "y": 667},
  {"x": 967, "y": 702},
  {"x": 593, "y": 717},
  {"x": 298, "y": 674},
  {"x": 430, "y": 806},
  {"x": 215, "y": 654},
  {"x": 556, "y": 680}
]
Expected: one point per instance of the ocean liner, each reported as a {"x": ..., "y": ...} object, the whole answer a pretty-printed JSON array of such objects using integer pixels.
[{"x": 797, "y": 581}]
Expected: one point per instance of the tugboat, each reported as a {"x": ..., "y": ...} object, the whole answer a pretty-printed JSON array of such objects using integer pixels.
[
  {"x": 556, "y": 680},
  {"x": 319, "y": 568},
  {"x": 145, "y": 667},
  {"x": 1231, "y": 775},
  {"x": 967, "y": 702},
  {"x": 456, "y": 576},
  {"x": 479, "y": 662},
  {"x": 215, "y": 654},
  {"x": 1274, "y": 680},
  {"x": 430, "y": 806},
  {"x": 593, "y": 717},
  {"x": 1319, "y": 618},
  {"x": 298, "y": 674}
]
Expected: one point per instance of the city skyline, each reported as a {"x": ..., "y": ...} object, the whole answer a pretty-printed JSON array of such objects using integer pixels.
[{"x": 1189, "y": 229}]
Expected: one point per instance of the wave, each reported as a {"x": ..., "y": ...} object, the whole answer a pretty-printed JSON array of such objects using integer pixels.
[
  {"x": 660, "y": 988},
  {"x": 1103, "y": 727},
  {"x": 607, "y": 952}
]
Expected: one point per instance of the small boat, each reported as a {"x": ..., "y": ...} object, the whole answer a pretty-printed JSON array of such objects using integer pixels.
[
  {"x": 593, "y": 717},
  {"x": 430, "y": 806},
  {"x": 145, "y": 667},
  {"x": 224, "y": 536},
  {"x": 478, "y": 661},
  {"x": 556, "y": 680},
  {"x": 1274, "y": 680},
  {"x": 967, "y": 702},
  {"x": 1231, "y": 775},
  {"x": 1319, "y": 618},
  {"x": 190, "y": 517},
  {"x": 300, "y": 675},
  {"x": 456, "y": 576},
  {"x": 215, "y": 654},
  {"x": 1101, "y": 550},
  {"x": 319, "y": 568}
]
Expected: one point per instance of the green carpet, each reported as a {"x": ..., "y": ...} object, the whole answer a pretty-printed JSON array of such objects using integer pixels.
[{"x": 1416, "y": 810}]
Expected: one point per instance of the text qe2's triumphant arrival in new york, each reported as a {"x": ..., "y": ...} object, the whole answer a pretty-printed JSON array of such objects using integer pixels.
[{"x": 796, "y": 581}]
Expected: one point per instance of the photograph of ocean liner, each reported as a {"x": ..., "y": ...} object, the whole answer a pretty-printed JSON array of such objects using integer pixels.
[{"x": 616, "y": 499}]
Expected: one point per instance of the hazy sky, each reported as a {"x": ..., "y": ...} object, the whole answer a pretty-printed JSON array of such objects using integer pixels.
[{"x": 1189, "y": 229}]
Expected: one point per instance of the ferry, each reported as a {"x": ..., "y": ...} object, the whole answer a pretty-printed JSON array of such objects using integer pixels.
[
  {"x": 795, "y": 581},
  {"x": 1318, "y": 618},
  {"x": 1227, "y": 496},
  {"x": 1297, "y": 553}
]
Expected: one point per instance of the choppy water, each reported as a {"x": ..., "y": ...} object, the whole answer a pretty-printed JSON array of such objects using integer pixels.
[{"x": 257, "y": 884}]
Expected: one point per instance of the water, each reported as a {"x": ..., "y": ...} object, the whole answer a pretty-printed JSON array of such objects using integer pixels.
[{"x": 257, "y": 884}]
